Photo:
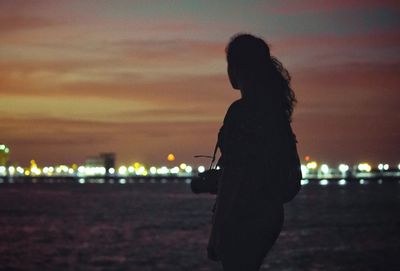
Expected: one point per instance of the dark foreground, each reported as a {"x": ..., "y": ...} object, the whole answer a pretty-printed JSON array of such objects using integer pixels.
[{"x": 153, "y": 226}]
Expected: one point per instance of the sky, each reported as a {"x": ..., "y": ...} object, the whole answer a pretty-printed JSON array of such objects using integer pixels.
[{"x": 147, "y": 78}]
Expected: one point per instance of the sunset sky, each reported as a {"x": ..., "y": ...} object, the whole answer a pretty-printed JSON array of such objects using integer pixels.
[{"x": 148, "y": 78}]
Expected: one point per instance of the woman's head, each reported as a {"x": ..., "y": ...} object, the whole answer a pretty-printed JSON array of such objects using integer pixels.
[
  {"x": 251, "y": 68},
  {"x": 247, "y": 57}
]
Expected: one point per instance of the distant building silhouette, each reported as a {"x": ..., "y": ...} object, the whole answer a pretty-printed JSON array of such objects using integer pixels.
[
  {"x": 109, "y": 160},
  {"x": 106, "y": 160}
]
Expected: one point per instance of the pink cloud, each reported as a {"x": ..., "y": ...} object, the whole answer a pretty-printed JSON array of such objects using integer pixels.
[
  {"x": 10, "y": 24},
  {"x": 171, "y": 50},
  {"x": 362, "y": 76},
  {"x": 374, "y": 40}
]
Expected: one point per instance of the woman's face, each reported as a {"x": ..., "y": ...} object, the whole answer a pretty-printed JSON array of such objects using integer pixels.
[{"x": 233, "y": 78}]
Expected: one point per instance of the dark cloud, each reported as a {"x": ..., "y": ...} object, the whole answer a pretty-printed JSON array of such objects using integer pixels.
[{"x": 298, "y": 6}]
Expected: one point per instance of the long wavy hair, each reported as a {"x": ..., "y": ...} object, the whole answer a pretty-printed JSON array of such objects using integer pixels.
[{"x": 251, "y": 57}]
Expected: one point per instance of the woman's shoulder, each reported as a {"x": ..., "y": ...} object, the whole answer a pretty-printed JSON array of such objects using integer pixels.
[
  {"x": 236, "y": 105},
  {"x": 233, "y": 111}
]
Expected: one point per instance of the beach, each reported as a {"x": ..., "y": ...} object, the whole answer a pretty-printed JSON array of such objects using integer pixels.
[{"x": 163, "y": 226}]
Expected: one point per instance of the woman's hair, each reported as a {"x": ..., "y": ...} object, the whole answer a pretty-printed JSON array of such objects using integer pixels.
[{"x": 251, "y": 58}]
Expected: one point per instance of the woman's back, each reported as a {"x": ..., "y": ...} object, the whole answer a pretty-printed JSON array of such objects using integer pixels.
[{"x": 250, "y": 140}]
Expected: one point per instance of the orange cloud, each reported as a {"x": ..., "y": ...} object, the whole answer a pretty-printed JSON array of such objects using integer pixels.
[{"x": 146, "y": 142}]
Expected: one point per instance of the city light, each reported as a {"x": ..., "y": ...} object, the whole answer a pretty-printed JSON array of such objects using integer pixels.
[
  {"x": 11, "y": 170},
  {"x": 304, "y": 170},
  {"x": 383, "y": 166},
  {"x": 4, "y": 148},
  {"x": 153, "y": 170},
  {"x": 94, "y": 172},
  {"x": 188, "y": 169},
  {"x": 364, "y": 167},
  {"x": 34, "y": 170},
  {"x": 324, "y": 182},
  {"x": 312, "y": 165},
  {"x": 20, "y": 170},
  {"x": 122, "y": 170},
  {"x": 3, "y": 170},
  {"x": 171, "y": 157},
  {"x": 141, "y": 171},
  {"x": 343, "y": 168},
  {"x": 304, "y": 182},
  {"x": 174, "y": 170},
  {"x": 81, "y": 169},
  {"x": 324, "y": 169},
  {"x": 162, "y": 170},
  {"x": 201, "y": 169}
]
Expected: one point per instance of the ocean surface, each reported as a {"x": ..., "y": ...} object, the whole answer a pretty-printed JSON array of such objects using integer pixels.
[{"x": 163, "y": 226}]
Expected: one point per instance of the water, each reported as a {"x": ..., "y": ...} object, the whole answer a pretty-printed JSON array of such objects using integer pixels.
[{"x": 163, "y": 226}]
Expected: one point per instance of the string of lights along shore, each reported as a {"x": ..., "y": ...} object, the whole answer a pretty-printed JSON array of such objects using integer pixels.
[{"x": 102, "y": 168}]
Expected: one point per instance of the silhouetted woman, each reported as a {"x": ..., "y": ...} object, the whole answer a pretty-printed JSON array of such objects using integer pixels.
[{"x": 249, "y": 211}]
